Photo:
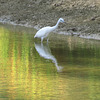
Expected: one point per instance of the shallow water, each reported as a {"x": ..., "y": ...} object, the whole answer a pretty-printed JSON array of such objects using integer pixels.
[{"x": 67, "y": 68}]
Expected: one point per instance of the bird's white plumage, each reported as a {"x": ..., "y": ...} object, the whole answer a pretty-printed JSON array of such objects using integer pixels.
[{"x": 43, "y": 32}]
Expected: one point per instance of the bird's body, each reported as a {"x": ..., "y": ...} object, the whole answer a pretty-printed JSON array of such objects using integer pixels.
[{"x": 43, "y": 32}]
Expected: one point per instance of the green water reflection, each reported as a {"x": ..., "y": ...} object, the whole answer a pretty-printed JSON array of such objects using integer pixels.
[{"x": 67, "y": 68}]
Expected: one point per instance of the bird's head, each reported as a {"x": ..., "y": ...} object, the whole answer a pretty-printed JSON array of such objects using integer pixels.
[{"x": 61, "y": 20}]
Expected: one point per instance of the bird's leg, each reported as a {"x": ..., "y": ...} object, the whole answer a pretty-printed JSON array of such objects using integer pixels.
[
  {"x": 47, "y": 40},
  {"x": 41, "y": 39},
  {"x": 41, "y": 44}
]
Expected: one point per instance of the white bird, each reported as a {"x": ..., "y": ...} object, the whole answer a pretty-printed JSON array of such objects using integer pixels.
[{"x": 44, "y": 32}]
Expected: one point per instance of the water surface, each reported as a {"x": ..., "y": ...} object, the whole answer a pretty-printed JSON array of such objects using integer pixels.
[{"x": 67, "y": 68}]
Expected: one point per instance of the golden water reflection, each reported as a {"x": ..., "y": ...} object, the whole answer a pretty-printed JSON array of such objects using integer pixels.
[{"x": 26, "y": 75}]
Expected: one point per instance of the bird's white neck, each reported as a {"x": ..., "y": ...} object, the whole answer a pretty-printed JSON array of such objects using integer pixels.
[{"x": 54, "y": 27}]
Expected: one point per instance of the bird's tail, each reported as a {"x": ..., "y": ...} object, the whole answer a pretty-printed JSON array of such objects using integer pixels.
[{"x": 35, "y": 36}]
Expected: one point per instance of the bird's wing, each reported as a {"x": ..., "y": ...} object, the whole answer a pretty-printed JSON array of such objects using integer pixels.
[{"x": 43, "y": 31}]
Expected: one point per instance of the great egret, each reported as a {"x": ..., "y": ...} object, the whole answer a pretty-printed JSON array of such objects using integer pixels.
[{"x": 43, "y": 32}]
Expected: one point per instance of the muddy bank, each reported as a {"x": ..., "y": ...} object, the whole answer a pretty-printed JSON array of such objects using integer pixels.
[{"x": 82, "y": 16}]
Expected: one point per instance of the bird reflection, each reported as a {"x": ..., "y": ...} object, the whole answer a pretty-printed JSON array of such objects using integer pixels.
[{"x": 45, "y": 52}]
